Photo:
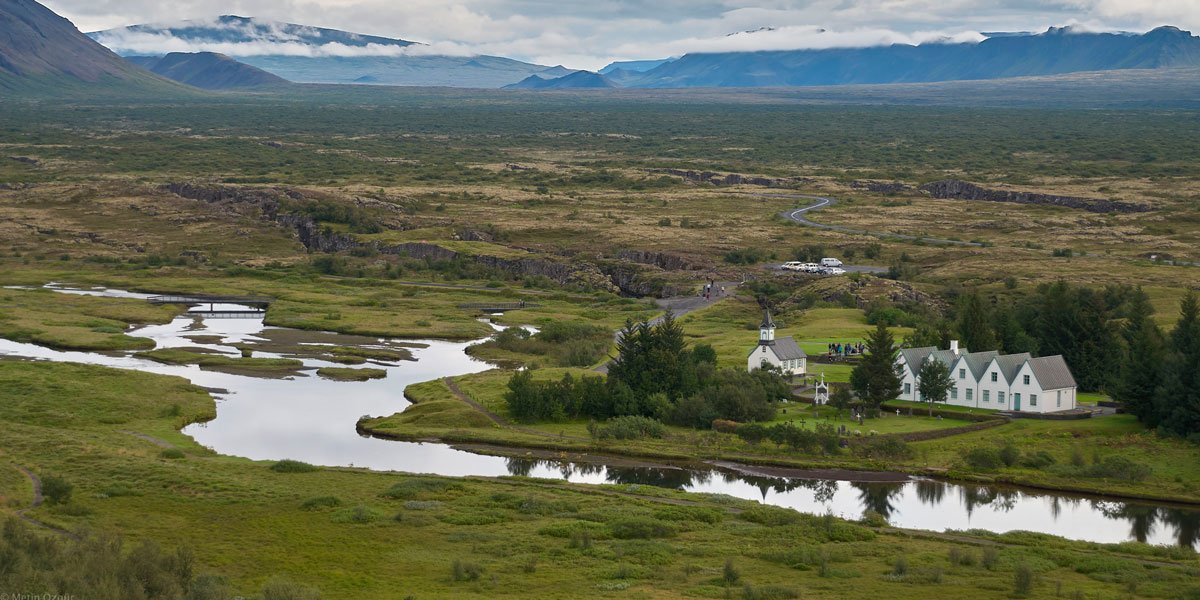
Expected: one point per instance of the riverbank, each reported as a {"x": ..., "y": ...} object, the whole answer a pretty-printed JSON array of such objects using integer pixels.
[
  {"x": 344, "y": 531},
  {"x": 1174, "y": 478}
]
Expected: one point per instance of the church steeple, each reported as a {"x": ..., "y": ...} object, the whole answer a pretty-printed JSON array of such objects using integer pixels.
[{"x": 766, "y": 331}]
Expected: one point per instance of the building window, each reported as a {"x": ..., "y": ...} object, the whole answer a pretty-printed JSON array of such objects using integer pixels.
[
  {"x": 1060, "y": 398},
  {"x": 907, "y": 388},
  {"x": 1026, "y": 380},
  {"x": 962, "y": 373},
  {"x": 954, "y": 393},
  {"x": 994, "y": 378},
  {"x": 1000, "y": 397},
  {"x": 987, "y": 395},
  {"x": 970, "y": 393},
  {"x": 1033, "y": 399}
]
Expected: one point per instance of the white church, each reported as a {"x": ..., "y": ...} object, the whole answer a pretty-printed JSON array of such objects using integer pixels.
[
  {"x": 783, "y": 354},
  {"x": 1008, "y": 382}
]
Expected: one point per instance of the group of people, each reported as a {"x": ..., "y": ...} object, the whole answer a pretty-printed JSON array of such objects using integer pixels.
[
  {"x": 712, "y": 289},
  {"x": 844, "y": 350}
]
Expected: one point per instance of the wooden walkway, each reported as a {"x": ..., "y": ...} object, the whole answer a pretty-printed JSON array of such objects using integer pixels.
[
  {"x": 498, "y": 307},
  {"x": 259, "y": 302}
]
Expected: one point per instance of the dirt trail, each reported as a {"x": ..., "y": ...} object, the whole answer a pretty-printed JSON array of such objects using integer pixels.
[
  {"x": 499, "y": 420},
  {"x": 165, "y": 445},
  {"x": 38, "y": 500}
]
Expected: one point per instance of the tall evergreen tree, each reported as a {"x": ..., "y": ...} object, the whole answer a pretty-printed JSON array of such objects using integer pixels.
[
  {"x": 876, "y": 379},
  {"x": 1145, "y": 352},
  {"x": 1178, "y": 400},
  {"x": 974, "y": 323}
]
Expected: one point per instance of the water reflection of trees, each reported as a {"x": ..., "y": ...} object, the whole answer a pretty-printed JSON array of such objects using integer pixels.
[
  {"x": 1143, "y": 520},
  {"x": 878, "y": 497}
]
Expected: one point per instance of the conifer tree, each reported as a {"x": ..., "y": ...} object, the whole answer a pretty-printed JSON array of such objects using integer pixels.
[
  {"x": 876, "y": 379},
  {"x": 1145, "y": 353}
]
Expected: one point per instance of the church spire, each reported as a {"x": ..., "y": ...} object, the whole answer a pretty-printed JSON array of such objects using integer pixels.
[{"x": 766, "y": 331}]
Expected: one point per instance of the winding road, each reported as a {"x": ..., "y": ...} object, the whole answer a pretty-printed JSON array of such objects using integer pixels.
[{"x": 797, "y": 215}]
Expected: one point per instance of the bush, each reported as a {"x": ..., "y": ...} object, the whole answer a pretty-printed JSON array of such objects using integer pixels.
[
  {"x": 282, "y": 589},
  {"x": 1009, "y": 454},
  {"x": 1022, "y": 580},
  {"x": 640, "y": 528},
  {"x": 989, "y": 558},
  {"x": 412, "y": 489},
  {"x": 358, "y": 515},
  {"x": 984, "y": 459},
  {"x": 292, "y": 466},
  {"x": 56, "y": 489},
  {"x": 172, "y": 453},
  {"x": 730, "y": 573},
  {"x": 900, "y": 567},
  {"x": 465, "y": 571},
  {"x": 1039, "y": 460},
  {"x": 725, "y": 426},
  {"x": 320, "y": 502},
  {"x": 884, "y": 447},
  {"x": 627, "y": 428}
]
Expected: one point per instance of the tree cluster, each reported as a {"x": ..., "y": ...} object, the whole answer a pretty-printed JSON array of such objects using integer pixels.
[
  {"x": 654, "y": 375},
  {"x": 1159, "y": 378}
]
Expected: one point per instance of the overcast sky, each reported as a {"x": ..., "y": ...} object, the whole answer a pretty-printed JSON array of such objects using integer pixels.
[{"x": 590, "y": 33}]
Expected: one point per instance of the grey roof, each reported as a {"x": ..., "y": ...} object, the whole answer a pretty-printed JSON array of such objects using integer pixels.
[
  {"x": 1011, "y": 363},
  {"x": 1052, "y": 372},
  {"x": 946, "y": 357},
  {"x": 914, "y": 357},
  {"x": 787, "y": 349},
  {"x": 977, "y": 362}
]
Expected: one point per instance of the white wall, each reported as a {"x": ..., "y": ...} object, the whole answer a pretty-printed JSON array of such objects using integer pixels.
[{"x": 761, "y": 354}]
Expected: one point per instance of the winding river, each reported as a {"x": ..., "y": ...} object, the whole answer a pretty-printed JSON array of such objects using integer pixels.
[{"x": 305, "y": 417}]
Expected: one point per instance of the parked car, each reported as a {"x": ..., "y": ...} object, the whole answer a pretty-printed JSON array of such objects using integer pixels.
[
  {"x": 830, "y": 262},
  {"x": 834, "y": 271},
  {"x": 794, "y": 265}
]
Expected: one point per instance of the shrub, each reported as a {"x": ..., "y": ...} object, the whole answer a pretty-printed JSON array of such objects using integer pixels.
[
  {"x": 985, "y": 459},
  {"x": 627, "y": 428},
  {"x": 1022, "y": 580},
  {"x": 320, "y": 502},
  {"x": 282, "y": 589},
  {"x": 900, "y": 567},
  {"x": 172, "y": 453},
  {"x": 1009, "y": 454},
  {"x": 725, "y": 426},
  {"x": 642, "y": 528},
  {"x": 959, "y": 556},
  {"x": 730, "y": 573},
  {"x": 465, "y": 571},
  {"x": 990, "y": 557},
  {"x": 292, "y": 466},
  {"x": 885, "y": 447},
  {"x": 57, "y": 490},
  {"x": 769, "y": 592},
  {"x": 411, "y": 489},
  {"x": 358, "y": 515},
  {"x": 1039, "y": 460}
]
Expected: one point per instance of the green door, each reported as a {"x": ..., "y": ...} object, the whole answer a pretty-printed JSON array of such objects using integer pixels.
[{"x": 1016, "y": 402}]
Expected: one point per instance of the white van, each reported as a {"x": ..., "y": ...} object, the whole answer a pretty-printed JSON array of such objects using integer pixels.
[
  {"x": 794, "y": 265},
  {"x": 830, "y": 262}
]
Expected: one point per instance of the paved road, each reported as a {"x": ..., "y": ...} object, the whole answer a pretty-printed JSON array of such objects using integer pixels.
[
  {"x": 799, "y": 215},
  {"x": 682, "y": 305}
]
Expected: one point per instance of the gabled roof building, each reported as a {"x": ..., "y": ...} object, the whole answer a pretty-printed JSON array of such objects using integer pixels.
[{"x": 1008, "y": 382}]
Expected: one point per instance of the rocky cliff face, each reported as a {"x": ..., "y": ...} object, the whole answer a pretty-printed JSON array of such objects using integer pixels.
[
  {"x": 880, "y": 187},
  {"x": 962, "y": 190},
  {"x": 620, "y": 276},
  {"x": 721, "y": 179}
]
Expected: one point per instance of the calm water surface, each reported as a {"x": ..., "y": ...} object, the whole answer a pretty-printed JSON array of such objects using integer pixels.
[{"x": 311, "y": 419}]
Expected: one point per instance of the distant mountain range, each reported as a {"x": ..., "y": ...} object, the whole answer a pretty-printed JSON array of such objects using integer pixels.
[
  {"x": 574, "y": 81},
  {"x": 208, "y": 70},
  {"x": 1056, "y": 51},
  {"x": 306, "y": 54},
  {"x": 41, "y": 52}
]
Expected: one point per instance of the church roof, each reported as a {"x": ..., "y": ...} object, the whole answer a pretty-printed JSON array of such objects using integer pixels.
[
  {"x": 978, "y": 362},
  {"x": 784, "y": 349},
  {"x": 1052, "y": 372}
]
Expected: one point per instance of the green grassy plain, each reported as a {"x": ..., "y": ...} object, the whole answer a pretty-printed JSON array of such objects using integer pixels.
[{"x": 351, "y": 532}]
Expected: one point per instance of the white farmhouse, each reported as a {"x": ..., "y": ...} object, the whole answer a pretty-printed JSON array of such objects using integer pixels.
[
  {"x": 1009, "y": 382},
  {"x": 784, "y": 354}
]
